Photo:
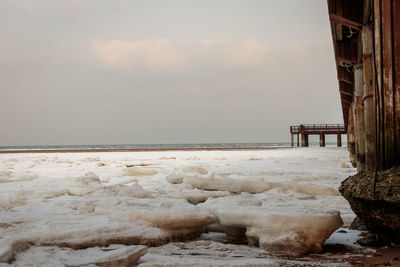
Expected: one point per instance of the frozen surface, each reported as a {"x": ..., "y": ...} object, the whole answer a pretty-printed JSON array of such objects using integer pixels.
[
  {"x": 114, "y": 255},
  {"x": 274, "y": 226},
  {"x": 284, "y": 200},
  {"x": 206, "y": 253}
]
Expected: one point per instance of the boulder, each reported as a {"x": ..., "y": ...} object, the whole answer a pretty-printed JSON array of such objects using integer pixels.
[{"x": 376, "y": 203}]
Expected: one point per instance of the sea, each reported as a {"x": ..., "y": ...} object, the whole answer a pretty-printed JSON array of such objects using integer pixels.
[{"x": 157, "y": 146}]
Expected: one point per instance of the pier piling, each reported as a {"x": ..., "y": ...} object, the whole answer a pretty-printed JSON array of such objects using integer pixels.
[
  {"x": 304, "y": 140},
  {"x": 321, "y": 140}
]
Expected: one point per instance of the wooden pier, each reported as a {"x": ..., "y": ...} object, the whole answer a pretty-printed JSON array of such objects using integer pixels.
[
  {"x": 316, "y": 129},
  {"x": 366, "y": 41}
]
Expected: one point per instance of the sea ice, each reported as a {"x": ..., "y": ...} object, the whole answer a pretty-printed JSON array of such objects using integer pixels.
[
  {"x": 86, "y": 222},
  {"x": 274, "y": 227},
  {"x": 113, "y": 255},
  {"x": 192, "y": 195},
  {"x": 195, "y": 169},
  {"x": 133, "y": 171},
  {"x": 251, "y": 186},
  {"x": 206, "y": 253},
  {"x": 70, "y": 201}
]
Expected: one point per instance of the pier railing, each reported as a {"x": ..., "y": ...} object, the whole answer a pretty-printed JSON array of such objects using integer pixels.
[{"x": 316, "y": 129}]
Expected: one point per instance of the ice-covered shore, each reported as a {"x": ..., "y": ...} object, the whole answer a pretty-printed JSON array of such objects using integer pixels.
[{"x": 104, "y": 209}]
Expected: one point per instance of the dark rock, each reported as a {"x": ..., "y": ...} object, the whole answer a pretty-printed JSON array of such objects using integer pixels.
[
  {"x": 358, "y": 224},
  {"x": 379, "y": 209},
  {"x": 370, "y": 240}
]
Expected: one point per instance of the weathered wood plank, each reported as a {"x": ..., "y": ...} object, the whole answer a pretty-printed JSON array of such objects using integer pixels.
[
  {"x": 366, "y": 11},
  {"x": 379, "y": 96},
  {"x": 332, "y": 6},
  {"x": 350, "y": 136},
  {"x": 369, "y": 102},
  {"x": 387, "y": 83},
  {"x": 396, "y": 74},
  {"x": 345, "y": 21},
  {"x": 359, "y": 130}
]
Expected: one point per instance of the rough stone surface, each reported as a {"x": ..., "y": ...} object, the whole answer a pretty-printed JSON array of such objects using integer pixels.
[
  {"x": 379, "y": 210},
  {"x": 358, "y": 224}
]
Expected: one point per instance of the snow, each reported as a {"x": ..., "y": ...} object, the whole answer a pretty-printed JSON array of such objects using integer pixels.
[{"x": 283, "y": 200}]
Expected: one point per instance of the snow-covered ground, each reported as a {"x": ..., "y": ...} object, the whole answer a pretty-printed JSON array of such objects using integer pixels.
[{"x": 189, "y": 208}]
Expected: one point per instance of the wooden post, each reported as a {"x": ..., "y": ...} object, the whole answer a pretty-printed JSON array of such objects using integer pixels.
[
  {"x": 350, "y": 136},
  {"x": 387, "y": 85},
  {"x": 304, "y": 140},
  {"x": 298, "y": 141},
  {"x": 358, "y": 109},
  {"x": 321, "y": 140},
  {"x": 291, "y": 140},
  {"x": 339, "y": 140},
  {"x": 369, "y": 97},
  {"x": 396, "y": 75}
]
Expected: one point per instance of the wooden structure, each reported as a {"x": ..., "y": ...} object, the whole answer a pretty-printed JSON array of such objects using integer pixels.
[
  {"x": 316, "y": 129},
  {"x": 366, "y": 38}
]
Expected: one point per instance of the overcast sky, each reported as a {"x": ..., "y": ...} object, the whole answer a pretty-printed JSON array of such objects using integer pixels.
[{"x": 163, "y": 71}]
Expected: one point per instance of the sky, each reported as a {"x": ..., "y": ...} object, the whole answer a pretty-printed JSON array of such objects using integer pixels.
[{"x": 163, "y": 71}]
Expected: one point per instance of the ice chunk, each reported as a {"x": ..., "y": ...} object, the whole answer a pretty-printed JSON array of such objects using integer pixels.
[
  {"x": 187, "y": 192},
  {"x": 251, "y": 186},
  {"x": 256, "y": 158},
  {"x": 140, "y": 172},
  {"x": 4, "y": 173},
  {"x": 113, "y": 255},
  {"x": 133, "y": 190},
  {"x": 206, "y": 253},
  {"x": 167, "y": 158},
  {"x": 88, "y": 178},
  {"x": 175, "y": 179},
  {"x": 83, "y": 185},
  {"x": 104, "y": 221},
  {"x": 9, "y": 247},
  {"x": 66, "y": 161},
  {"x": 231, "y": 185},
  {"x": 275, "y": 228},
  {"x": 195, "y": 169}
]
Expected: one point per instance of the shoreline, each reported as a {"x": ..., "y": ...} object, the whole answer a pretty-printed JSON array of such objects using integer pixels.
[{"x": 150, "y": 149}]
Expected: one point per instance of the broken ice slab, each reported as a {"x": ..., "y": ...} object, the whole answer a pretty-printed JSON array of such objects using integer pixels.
[
  {"x": 285, "y": 230},
  {"x": 86, "y": 222},
  {"x": 206, "y": 253},
  {"x": 251, "y": 186},
  {"x": 113, "y": 255}
]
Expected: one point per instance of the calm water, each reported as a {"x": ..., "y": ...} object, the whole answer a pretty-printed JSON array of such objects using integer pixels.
[{"x": 155, "y": 146}]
